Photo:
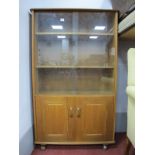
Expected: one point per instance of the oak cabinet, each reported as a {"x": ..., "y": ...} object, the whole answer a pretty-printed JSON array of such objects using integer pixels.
[
  {"x": 74, "y": 119},
  {"x": 74, "y": 74}
]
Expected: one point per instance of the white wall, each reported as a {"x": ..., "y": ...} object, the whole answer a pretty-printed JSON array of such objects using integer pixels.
[{"x": 25, "y": 108}]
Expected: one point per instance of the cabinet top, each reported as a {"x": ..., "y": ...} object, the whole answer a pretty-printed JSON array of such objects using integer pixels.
[{"x": 73, "y": 9}]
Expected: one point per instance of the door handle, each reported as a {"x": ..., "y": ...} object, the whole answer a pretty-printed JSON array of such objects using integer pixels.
[
  {"x": 78, "y": 112},
  {"x": 71, "y": 112}
]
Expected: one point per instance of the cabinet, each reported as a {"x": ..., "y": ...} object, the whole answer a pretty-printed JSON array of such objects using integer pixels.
[
  {"x": 74, "y": 72},
  {"x": 76, "y": 119}
]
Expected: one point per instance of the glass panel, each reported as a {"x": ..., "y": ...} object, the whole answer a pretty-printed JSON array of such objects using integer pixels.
[
  {"x": 96, "y": 22},
  {"x": 54, "y": 51},
  {"x": 75, "y": 81},
  {"x": 75, "y": 22},
  {"x": 45, "y": 22},
  {"x": 75, "y": 52},
  {"x": 94, "y": 52}
]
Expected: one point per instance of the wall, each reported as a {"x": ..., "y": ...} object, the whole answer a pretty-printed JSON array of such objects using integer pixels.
[
  {"x": 25, "y": 108},
  {"x": 25, "y": 102},
  {"x": 121, "y": 116}
]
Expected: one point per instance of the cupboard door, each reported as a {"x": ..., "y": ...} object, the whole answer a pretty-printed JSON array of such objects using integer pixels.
[
  {"x": 52, "y": 119},
  {"x": 97, "y": 118}
]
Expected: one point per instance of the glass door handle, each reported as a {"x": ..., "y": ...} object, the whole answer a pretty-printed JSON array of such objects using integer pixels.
[
  {"x": 78, "y": 112},
  {"x": 71, "y": 112}
]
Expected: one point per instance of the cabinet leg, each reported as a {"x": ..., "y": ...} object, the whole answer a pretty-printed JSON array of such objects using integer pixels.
[
  {"x": 42, "y": 147},
  {"x": 105, "y": 147}
]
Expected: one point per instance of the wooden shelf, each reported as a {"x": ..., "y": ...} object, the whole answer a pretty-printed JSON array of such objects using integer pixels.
[
  {"x": 76, "y": 67},
  {"x": 74, "y": 33},
  {"x": 76, "y": 93}
]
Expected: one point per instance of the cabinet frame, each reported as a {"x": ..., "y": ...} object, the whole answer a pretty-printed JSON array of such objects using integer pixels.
[{"x": 34, "y": 76}]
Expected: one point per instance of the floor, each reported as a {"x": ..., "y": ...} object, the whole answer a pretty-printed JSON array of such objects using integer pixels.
[{"x": 115, "y": 149}]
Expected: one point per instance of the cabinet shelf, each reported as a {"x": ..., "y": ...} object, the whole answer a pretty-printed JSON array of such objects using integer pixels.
[
  {"x": 74, "y": 33},
  {"x": 76, "y": 67},
  {"x": 76, "y": 93}
]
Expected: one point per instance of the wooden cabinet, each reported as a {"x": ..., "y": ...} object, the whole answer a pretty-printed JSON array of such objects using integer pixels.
[
  {"x": 75, "y": 119},
  {"x": 74, "y": 74}
]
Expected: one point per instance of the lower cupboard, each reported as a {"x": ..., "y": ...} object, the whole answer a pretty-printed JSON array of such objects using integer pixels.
[{"x": 74, "y": 119}]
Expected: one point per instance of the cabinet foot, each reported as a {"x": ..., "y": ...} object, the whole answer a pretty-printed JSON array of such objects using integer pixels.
[
  {"x": 105, "y": 147},
  {"x": 42, "y": 147}
]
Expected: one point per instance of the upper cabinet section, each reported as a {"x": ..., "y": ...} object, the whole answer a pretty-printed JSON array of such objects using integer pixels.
[
  {"x": 74, "y": 52},
  {"x": 75, "y": 23},
  {"x": 82, "y": 39}
]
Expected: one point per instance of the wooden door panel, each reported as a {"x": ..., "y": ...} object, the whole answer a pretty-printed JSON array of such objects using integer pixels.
[
  {"x": 94, "y": 120},
  {"x": 97, "y": 118},
  {"x": 53, "y": 120}
]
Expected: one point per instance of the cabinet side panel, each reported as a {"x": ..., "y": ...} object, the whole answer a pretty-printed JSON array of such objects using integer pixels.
[
  {"x": 113, "y": 49},
  {"x": 116, "y": 67},
  {"x": 33, "y": 72}
]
